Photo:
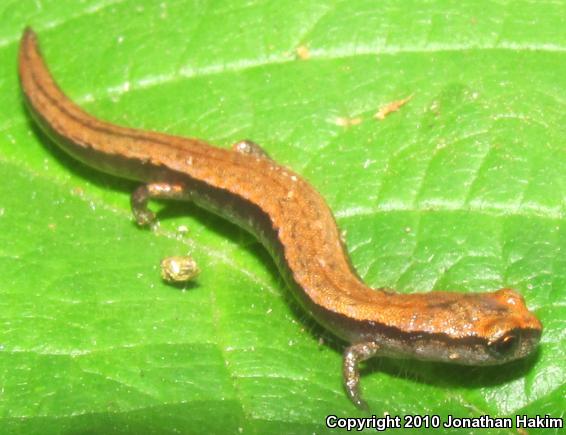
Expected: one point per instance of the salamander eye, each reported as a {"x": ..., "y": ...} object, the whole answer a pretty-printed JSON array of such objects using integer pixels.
[{"x": 505, "y": 345}]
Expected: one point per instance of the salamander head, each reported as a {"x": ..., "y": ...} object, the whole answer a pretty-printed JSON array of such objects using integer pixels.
[{"x": 477, "y": 329}]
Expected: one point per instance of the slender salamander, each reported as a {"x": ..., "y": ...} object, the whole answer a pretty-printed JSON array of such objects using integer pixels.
[{"x": 294, "y": 223}]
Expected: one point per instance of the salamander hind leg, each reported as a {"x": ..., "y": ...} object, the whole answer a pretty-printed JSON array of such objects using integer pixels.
[
  {"x": 353, "y": 355},
  {"x": 145, "y": 192},
  {"x": 250, "y": 148},
  {"x": 175, "y": 269}
]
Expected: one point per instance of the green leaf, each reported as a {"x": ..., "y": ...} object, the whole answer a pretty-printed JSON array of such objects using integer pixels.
[{"x": 462, "y": 188}]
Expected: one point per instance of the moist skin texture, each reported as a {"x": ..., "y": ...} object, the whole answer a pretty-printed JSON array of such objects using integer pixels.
[{"x": 294, "y": 223}]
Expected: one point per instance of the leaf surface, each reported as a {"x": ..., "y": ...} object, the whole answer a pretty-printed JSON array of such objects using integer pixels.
[{"x": 462, "y": 188}]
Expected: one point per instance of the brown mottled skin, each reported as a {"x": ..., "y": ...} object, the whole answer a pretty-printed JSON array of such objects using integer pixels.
[{"x": 295, "y": 224}]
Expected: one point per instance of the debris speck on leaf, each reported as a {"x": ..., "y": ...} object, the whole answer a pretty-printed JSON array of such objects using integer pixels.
[
  {"x": 391, "y": 107},
  {"x": 347, "y": 122},
  {"x": 303, "y": 52}
]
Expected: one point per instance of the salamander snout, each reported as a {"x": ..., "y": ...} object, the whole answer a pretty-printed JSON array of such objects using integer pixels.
[
  {"x": 514, "y": 344},
  {"x": 515, "y": 332}
]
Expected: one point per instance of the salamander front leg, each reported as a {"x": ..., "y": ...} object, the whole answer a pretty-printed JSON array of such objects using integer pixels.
[
  {"x": 353, "y": 355},
  {"x": 145, "y": 192},
  {"x": 250, "y": 148}
]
